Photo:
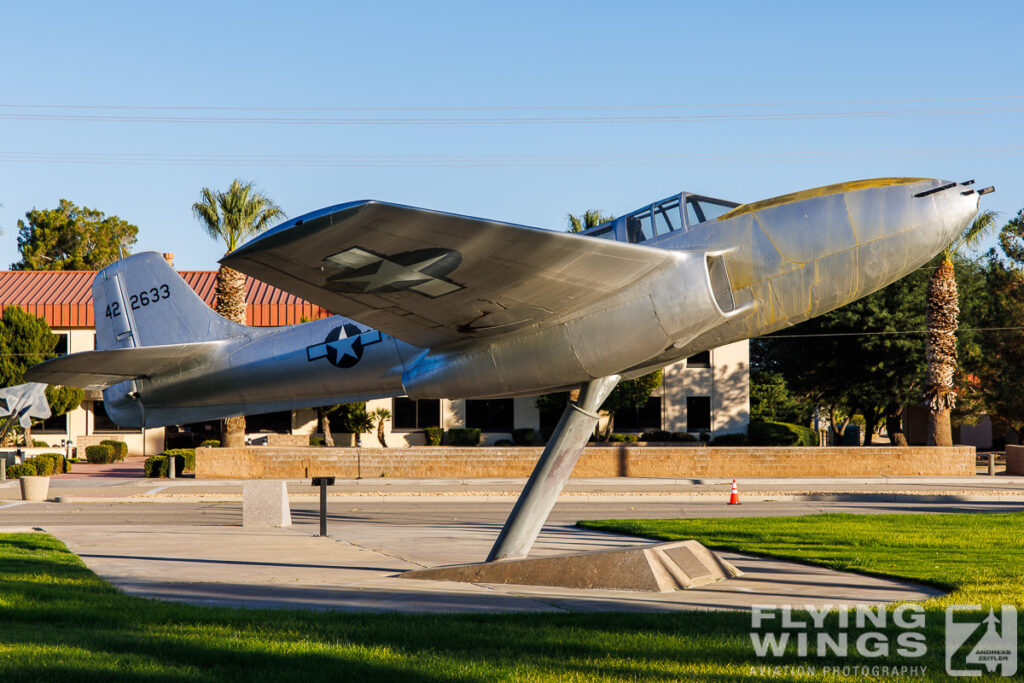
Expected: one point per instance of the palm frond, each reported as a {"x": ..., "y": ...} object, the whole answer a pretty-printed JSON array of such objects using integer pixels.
[
  {"x": 236, "y": 214},
  {"x": 983, "y": 225}
]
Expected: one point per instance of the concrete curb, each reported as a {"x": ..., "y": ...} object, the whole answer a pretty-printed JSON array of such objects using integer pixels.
[{"x": 709, "y": 497}]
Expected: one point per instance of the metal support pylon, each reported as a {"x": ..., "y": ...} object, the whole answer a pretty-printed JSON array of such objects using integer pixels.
[{"x": 552, "y": 471}]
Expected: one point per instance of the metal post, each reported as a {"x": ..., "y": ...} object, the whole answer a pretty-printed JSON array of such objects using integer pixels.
[
  {"x": 323, "y": 483},
  {"x": 991, "y": 464},
  {"x": 552, "y": 471},
  {"x": 323, "y": 508}
]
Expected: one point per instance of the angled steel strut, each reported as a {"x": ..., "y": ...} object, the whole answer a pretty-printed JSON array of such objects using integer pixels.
[{"x": 552, "y": 471}]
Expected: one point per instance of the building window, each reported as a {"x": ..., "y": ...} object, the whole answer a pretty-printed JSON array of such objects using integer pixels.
[
  {"x": 698, "y": 413},
  {"x": 61, "y": 349},
  {"x": 101, "y": 422},
  {"x": 408, "y": 413},
  {"x": 645, "y": 418},
  {"x": 699, "y": 360},
  {"x": 55, "y": 424},
  {"x": 491, "y": 415},
  {"x": 270, "y": 423}
]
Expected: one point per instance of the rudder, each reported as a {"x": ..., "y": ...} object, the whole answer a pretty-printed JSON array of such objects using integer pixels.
[{"x": 141, "y": 301}]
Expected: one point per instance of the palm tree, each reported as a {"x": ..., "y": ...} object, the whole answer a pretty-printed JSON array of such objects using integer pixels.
[
  {"x": 591, "y": 218},
  {"x": 379, "y": 417},
  {"x": 234, "y": 216},
  {"x": 941, "y": 320}
]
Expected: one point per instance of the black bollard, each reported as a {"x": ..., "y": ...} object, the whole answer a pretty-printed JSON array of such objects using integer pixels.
[{"x": 323, "y": 483}]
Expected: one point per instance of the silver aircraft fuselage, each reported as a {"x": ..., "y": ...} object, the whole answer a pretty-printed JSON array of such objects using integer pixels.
[{"x": 759, "y": 268}]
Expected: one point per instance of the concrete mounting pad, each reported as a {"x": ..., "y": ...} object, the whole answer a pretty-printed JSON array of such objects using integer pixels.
[
  {"x": 356, "y": 570},
  {"x": 661, "y": 567}
]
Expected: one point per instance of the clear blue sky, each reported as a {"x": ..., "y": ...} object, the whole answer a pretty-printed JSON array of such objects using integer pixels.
[{"x": 757, "y": 99}]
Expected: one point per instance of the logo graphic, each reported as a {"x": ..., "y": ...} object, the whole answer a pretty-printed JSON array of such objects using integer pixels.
[
  {"x": 974, "y": 642},
  {"x": 343, "y": 352},
  {"x": 360, "y": 271}
]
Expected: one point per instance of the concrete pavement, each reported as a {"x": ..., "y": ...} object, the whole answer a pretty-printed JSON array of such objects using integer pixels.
[
  {"x": 183, "y": 540},
  {"x": 355, "y": 570}
]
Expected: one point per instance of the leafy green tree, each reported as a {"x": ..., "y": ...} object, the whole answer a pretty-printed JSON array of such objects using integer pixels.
[
  {"x": 629, "y": 393},
  {"x": 26, "y": 340},
  {"x": 772, "y": 401},
  {"x": 72, "y": 238},
  {"x": 858, "y": 358},
  {"x": 590, "y": 218},
  {"x": 232, "y": 217}
]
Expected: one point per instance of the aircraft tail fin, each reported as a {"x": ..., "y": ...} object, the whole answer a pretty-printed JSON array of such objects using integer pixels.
[{"x": 140, "y": 301}]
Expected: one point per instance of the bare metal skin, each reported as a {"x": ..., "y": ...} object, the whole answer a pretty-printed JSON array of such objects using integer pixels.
[{"x": 447, "y": 306}]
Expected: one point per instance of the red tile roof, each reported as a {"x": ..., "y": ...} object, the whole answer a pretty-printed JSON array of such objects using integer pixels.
[{"x": 64, "y": 297}]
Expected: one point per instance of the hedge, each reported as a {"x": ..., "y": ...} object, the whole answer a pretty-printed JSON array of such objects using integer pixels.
[
  {"x": 434, "y": 435},
  {"x": 504, "y": 442},
  {"x": 315, "y": 440},
  {"x": 156, "y": 466},
  {"x": 60, "y": 463},
  {"x": 662, "y": 435},
  {"x": 26, "y": 469},
  {"x": 120, "y": 448},
  {"x": 524, "y": 437},
  {"x": 185, "y": 459},
  {"x": 623, "y": 438},
  {"x": 100, "y": 454},
  {"x": 736, "y": 439},
  {"x": 464, "y": 436},
  {"x": 210, "y": 443},
  {"x": 780, "y": 434}
]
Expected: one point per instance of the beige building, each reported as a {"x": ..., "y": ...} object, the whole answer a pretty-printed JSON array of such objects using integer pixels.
[{"x": 709, "y": 393}]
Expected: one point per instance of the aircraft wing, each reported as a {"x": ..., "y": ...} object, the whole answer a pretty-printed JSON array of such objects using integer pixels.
[
  {"x": 101, "y": 369},
  {"x": 432, "y": 278}
]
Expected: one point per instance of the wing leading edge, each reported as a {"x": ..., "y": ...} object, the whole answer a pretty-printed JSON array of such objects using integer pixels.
[{"x": 432, "y": 278}]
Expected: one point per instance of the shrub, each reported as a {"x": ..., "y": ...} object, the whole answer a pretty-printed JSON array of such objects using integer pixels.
[
  {"x": 120, "y": 449},
  {"x": 504, "y": 442},
  {"x": 315, "y": 440},
  {"x": 780, "y": 434},
  {"x": 27, "y": 469},
  {"x": 36, "y": 443},
  {"x": 524, "y": 436},
  {"x": 100, "y": 454},
  {"x": 737, "y": 439},
  {"x": 623, "y": 438},
  {"x": 210, "y": 443},
  {"x": 44, "y": 465},
  {"x": 657, "y": 435},
  {"x": 683, "y": 437},
  {"x": 434, "y": 435},
  {"x": 184, "y": 459},
  {"x": 157, "y": 466},
  {"x": 60, "y": 464},
  {"x": 464, "y": 436}
]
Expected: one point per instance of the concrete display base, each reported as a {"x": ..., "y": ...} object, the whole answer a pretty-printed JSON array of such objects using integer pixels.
[
  {"x": 658, "y": 568},
  {"x": 265, "y": 505}
]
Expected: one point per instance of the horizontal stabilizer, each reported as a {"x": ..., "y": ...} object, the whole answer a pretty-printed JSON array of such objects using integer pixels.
[{"x": 101, "y": 369}]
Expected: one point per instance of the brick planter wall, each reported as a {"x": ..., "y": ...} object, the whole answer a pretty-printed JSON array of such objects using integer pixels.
[
  {"x": 1015, "y": 460},
  {"x": 263, "y": 462}
]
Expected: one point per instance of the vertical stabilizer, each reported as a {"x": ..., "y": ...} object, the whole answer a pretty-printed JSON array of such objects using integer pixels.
[{"x": 141, "y": 301}]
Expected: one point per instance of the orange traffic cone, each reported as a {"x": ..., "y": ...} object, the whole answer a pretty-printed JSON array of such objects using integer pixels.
[{"x": 734, "y": 499}]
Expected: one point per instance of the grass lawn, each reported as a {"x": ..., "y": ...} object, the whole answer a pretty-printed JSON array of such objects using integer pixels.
[{"x": 58, "y": 621}]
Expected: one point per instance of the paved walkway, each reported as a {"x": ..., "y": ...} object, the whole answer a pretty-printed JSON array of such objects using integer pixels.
[
  {"x": 104, "y": 488},
  {"x": 356, "y": 571}
]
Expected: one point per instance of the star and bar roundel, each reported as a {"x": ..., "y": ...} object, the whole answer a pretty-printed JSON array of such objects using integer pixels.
[
  {"x": 361, "y": 271},
  {"x": 343, "y": 351}
]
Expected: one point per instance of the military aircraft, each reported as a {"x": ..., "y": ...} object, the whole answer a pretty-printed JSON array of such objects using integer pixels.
[{"x": 438, "y": 305}]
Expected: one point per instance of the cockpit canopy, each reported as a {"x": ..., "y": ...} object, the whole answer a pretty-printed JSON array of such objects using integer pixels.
[{"x": 678, "y": 213}]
